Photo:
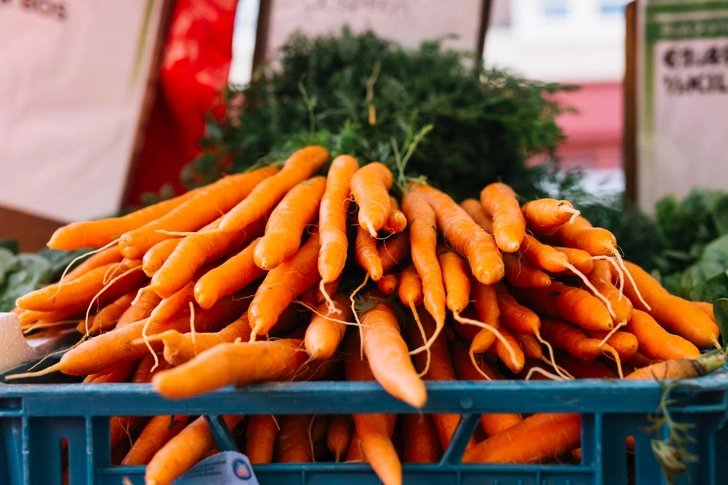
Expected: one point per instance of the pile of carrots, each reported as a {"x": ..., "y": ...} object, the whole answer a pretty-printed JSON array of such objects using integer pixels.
[{"x": 280, "y": 274}]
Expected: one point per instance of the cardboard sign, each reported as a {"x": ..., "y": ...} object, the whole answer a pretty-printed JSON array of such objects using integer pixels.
[
  {"x": 682, "y": 68},
  {"x": 72, "y": 84},
  {"x": 408, "y": 22}
]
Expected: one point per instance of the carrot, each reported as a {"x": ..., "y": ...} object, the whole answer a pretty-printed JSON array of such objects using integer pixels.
[
  {"x": 475, "y": 210},
  {"x": 260, "y": 438},
  {"x": 194, "y": 252},
  {"x": 332, "y": 218},
  {"x": 101, "y": 232},
  {"x": 543, "y": 256},
  {"x": 388, "y": 284},
  {"x": 522, "y": 275},
  {"x": 373, "y": 431},
  {"x": 465, "y": 369},
  {"x": 464, "y": 329},
  {"x": 623, "y": 342},
  {"x": 509, "y": 226},
  {"x": 140, "y": 309},
  {"x": 514, "y": 316},
  {"x": 486, "y": 305},
  {"x": 288, "y": 221},
  {"x": 456, "y": 279},
  {"x": 282, "y": 284},
  {"x": 421, "y": 444},
  {"x": 158, "y": 431},
  {"x": 314, "y": 296},
  {"x": 396, "y": 222},
  {"x": 367, "y": 255},
  {"x": 585, "y": 370},
  {"x": 656, "y": 343},
  {"x": 465, "y": 236},
  {"x": 80, "y": 291},
  {"x": 547, "y": 214},
  {"x": 681, "y": 368},
  {"x": 101, "y": 258},
  {"x": 355, "y": 453},
  {"x": 325, "y": 332},
  {"x": 704, "y": 307},
  {"x": 116, "y": 373},
  {"x": 158, "y": 255},
  {"x": 203, "y": 208},
  {"x": 183, "y": 451},
  {"x": 582, "y": 260},
  {"x": 513, "y": 362},
  {"x": 423, "y": 240},
  {"x": 173, "y": 304},
  {"x": 602, "y": 282},
  {"x": 370, "y": 186},
  {"x": 28, "y": 317},
  {"x": 299, "y": 166},
  {"x": 338, "y": 435},
  {"x": 640, "y": 360},
  {"x": 678, "y": 316},
  {"x": 568, "y": 303},
  {"x": 538, "y": 438},
  {"x": 237, "y": 272},
  {"x": 573, "y": 340},
  {"x": 292, "y": 444},
  {"x": 395, "y": 372},
  {"x": 393, "y": 251},
  {"x": 530, "y": 345},
  {"x": 232, "y": 364}
]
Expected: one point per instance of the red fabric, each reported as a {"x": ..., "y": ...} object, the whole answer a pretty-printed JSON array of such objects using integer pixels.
[{"x": 194, "y": 71}]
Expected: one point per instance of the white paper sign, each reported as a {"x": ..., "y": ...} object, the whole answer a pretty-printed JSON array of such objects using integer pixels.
[
  {"x": 683, "y": 122},
  {"x": 73, "y": 74}
]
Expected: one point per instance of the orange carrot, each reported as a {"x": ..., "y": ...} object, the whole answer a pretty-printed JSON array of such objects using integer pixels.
[
  {"x": 388, "y": 284},
  {"x": 299, "y": 166},
  {"x": 332, "y": 217},
  {"x": 456, "y": 279},
  {"x": 572, "y": 339},
  {"x": 381, "y": 337},
  {"x": 232, "y": 275},
  {"x": 80, "y": 291},
  {"x": 581, "y": 234},
  {"x": 396, "y": 222},
  {"x": 623, "y": 342},
  {"x": 324, "y": 333},
  {"x": 102, "y": 258},
  {"x": 585, "y": 370},
  {"x": 530, "y": 345},
  {"x": 538, "y": 438},
  {"x": 282, "y": 284},
  {"x": 355, "y": 453},
  {"x": 232, "y": 364},
  {"x": 514, "y": 363},
  {"x": 581, "y": 259},
  {"x": 116, "y": 373},
  {"x": 421, "y": 444},
  {"x": 423, "y": 239},
  {"x": 514, "y": 316},
  {"x": 681, "y": 368},
  {"x": 108, "y": 317},
  {"x": 173, "y": 304},
  {"x": 656, "y": 343},
  {"x": 292, "y": 444},
  {"x": 568, "y": 303},
  {"x": 486, "y": 305},
  {"x": 366, "y": 253},
  {"x": 547, "y": 214},
  {"x": 370, "y": 186},
  {"x": 158, "y": 431},
  {"x": 260, "y": 439},
  {"x": 509, "y": 226},
  {"x": 203, "y": 208},
  {"x": 475, "y": 210},
  {"x": 338, "y": 435},
  {"x": 602, "y": 282},
  {"x": 521, "y": 274},
  {"x": 28, "y": 317},
  {"x": 678, "y": 316},
  {"x": 194, "y": 252},
  {"x": 140, "y": 310},
  {"x": 393, "y": 251},
  {"x": 543, "y": 256},
  {"x": 704, "y": 307},
  {"x": 183, "y": 451},
  {"x": 465, "y": 236},
  {"x": 288, "y": 221},
  {"x": 99, "y": 233},
  {"x": 158, "y": 255}
]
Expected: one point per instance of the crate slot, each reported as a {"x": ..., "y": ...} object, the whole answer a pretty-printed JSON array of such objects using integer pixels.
[{"x": 11, "y": 404}]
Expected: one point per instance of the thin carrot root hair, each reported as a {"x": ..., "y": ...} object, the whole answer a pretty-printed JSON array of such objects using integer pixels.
[
  {"x": 617, "y": 360},
  {"x": 620, "y": 261},
  {"x": 78, "y": 258},
  {"x": 310, "y": 438},
  {"x": 106, "y": 287},
  {"x": 192, "y": 327},
  {"x": 498, "y": 335},
  {"x": 544, "y": 372},
  {"x": 424, "y": 338},
  {"x": 356, "y": 315},
  {"x": 552, "y": 362},
  {"x": 139, "y": 294},
  {"x": 327, "y": 298},
  {"x": 574, "y": 212},
  {"x": 315, "y": 311},
  {"x": 111, "y": 269},
  {"x": 716, "y": 344},
  {"x": 593, "y": 288},
  {"x": 145, "y": 338},
  {"x": 611, "y": 332},
  {"x": 477, "y": 367},
  {"x": 619, "y": 271},
  {"x": 155, "y": 338},
  {"x": 180, "y": 233}
]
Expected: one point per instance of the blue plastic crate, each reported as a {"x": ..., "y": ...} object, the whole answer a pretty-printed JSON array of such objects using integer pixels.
[{"x": 35, "y": 417}]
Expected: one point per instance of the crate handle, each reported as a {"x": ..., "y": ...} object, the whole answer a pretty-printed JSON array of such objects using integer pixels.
[
  {"x": 454, "y": 453},
  {"x": 220, "y": 433}
]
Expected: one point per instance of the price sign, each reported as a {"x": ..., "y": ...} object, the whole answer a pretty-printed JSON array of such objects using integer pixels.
[{"x": 683, "y": 109}]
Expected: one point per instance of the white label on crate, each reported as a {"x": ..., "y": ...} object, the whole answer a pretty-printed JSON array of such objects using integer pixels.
[{"x": 226, "y": 468}]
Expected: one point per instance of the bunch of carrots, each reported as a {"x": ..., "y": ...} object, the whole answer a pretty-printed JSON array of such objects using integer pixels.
[{"x": 282, "y": 274}]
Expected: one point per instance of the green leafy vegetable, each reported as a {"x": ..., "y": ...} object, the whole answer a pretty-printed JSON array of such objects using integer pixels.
[
  {"x": 33, "y": 272},
  {"x": 720, "y": 312}
]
